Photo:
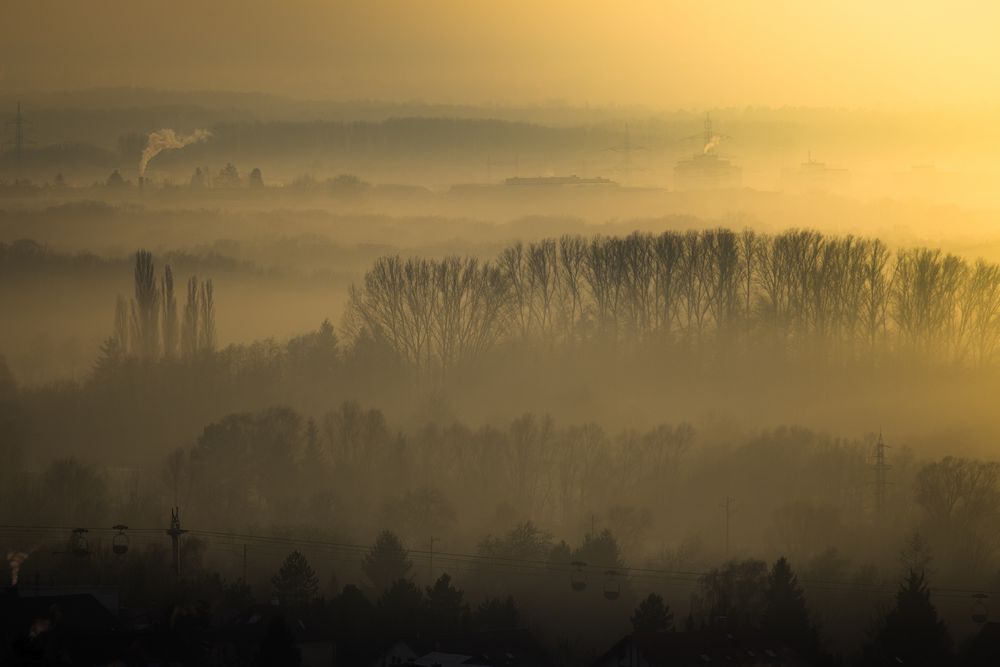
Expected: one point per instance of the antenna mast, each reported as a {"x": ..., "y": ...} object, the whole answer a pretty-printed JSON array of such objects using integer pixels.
[{"x": 881, "y": 478}]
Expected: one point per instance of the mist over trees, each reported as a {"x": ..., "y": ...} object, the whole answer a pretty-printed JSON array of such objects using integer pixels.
[
  {"x": 359, "y": 438},
  {"x": 717, "y": 293},
  {"x": 147, "y": 326},
  {"x": 499, "y": 378}
]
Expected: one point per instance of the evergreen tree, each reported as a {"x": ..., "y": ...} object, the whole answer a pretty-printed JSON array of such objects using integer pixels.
[
  {"x": 313, "y": 464},
  {"x": 561, "y": 553},
  {"x": 386, "y": 562},
  {"x": 109, "y": 356},
  {"x": 206, "y": 334},
  {"x": 911, "y": 632},
  {"x": 399, "y": 610},
  {"x": 351, "y": 611},
  {"x": 916, "y": 555},
  {"x": 735, "y": 592},
  {"x": 256, "y": 179},
  {"x": 652, "y": 617},
  {"x": 169, "y": 314},
  {"x": 295, "y": 584},
  {"x": 785, "y": 614},
  {"x": 278, "y": 647},
  {"x": 495, "y": 614},
  {"x": 198, "y": 178},
  {"x": 115, "y": 180},
  {"x": 351, "y": 616},
  {"x": 446, "y": 608},
  {"x": 601, "y": 550}
]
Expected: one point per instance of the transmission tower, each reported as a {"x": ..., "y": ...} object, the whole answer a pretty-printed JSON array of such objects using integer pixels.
[
  {"x": 708, "y": 136},
  {"x": 19, "y": 141},
  {"x": 881, "y": 478},
  {"x": 626, "y": 148}
]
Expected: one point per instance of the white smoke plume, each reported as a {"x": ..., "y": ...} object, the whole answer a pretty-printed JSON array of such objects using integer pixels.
[
  {"x": 165, "y": 140},
  {"x": 14, "y": 560},
  {"x": 712, "y": 143}
]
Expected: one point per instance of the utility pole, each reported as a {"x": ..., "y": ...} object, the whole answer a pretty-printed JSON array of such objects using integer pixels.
[
  {"x": 728, "y": 506},
  {"x": 881, "y": 478},
  {"x": 431, "y": 567},
  {"x": 244, "y": 564},
  {"x": 175, "y": 533}
]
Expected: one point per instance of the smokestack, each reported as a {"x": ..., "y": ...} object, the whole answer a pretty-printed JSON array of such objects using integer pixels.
[{"x": 165, "y": 140}]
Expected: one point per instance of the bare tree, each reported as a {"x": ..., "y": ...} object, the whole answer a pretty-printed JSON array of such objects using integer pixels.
[
  {"x": 121, "y": 326},
  {"x": 146, "y": 307},
  {"x": 191, "y": 326},
  {"x": 206, "y": 333},
  {"x": 169, "y": 314},
  {"x": 875, "y": 294}
]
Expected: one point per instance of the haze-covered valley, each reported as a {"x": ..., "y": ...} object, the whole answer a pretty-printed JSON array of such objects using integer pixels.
[{"x": 689, "y": 373}]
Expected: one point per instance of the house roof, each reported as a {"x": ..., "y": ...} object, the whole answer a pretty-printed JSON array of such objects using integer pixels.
[
  {"x": 707, "y": 648},
  {"x": 513, "y": 647},
  {"x": 76, "y": 614},
  {"x": 441, "y": 658}
]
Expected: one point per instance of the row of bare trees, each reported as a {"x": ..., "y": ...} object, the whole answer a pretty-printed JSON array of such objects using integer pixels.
[
  {"x": 147, "y": 325},
  {"x": 842, "y": 298}
]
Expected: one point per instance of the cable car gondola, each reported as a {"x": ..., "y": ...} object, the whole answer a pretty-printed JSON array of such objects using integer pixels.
[
  {"x": 578, "y": 578},
  {"x": 78, "y": 544},
  {"x": 119, "y": 543},
  {"x": 980, "y": 610}
]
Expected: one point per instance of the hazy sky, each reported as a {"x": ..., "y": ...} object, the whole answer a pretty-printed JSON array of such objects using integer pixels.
[{"x": 661, "y": 53}]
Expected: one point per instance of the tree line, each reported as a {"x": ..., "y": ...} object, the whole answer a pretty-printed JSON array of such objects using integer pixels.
[
  {"x": 148, "y": 326},
  {"x": 842, "y": 299}
]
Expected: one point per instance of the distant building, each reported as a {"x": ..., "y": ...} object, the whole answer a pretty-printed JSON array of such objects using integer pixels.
[
  {"x": 707, "y": 170},
  {"x": 557, "y": 181},
  {"x": 813, "y": 176},
  {"x": 76, "y": 626}
]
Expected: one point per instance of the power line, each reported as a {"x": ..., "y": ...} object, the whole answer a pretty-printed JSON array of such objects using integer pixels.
[
  {"x": 478, "y": 562},
  {"x": 728, "y": 506}
]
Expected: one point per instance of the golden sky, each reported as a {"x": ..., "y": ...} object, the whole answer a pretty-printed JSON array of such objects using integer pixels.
[{"x": 693, "y": 53}]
